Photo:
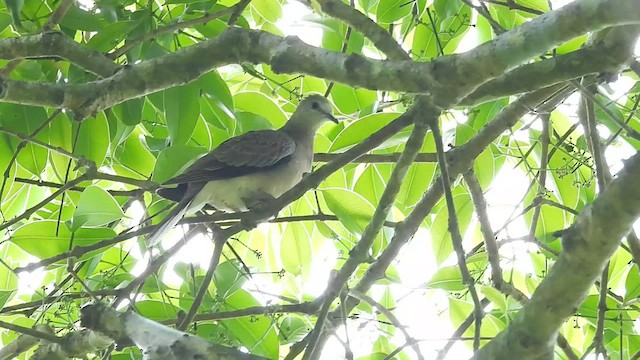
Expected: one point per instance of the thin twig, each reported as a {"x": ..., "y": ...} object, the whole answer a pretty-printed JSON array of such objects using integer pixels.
[
  {"x": 587, "y": 118},
  {"x": 589, "y": 94},
  {"x": 32, "y": 332},
  {"x": 58, "y": 14},
  {"x": 488, "y": 236},
  {"x": 392, "y": 318},
  {"x": 238, "y": 9},
  {"x": 21, "y": 145},
  {"x": 43, "y": 144},
  {"x": 47, "y": 200},
  {"x": 542, "y": 172},
  {"x": 512, "y": 5},
  {"x": 358, "y": 254},
  {"x": 49, "y": 184},
  {"x": 378, "y": 158},
  {"x": 171, "y": 28},
  {"x": 454, "y": 229},
  {"x": 219, "y": 241},
  {"x": 152, "y": 268}
]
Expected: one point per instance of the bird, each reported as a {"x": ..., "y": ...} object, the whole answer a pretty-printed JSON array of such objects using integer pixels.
[{"x": 247, "y": 170}]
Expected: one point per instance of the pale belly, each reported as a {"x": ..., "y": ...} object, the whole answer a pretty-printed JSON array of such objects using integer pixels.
[{"x": 239, "y": 193}]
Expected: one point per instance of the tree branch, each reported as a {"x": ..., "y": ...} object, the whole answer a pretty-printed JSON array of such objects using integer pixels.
[
  {"x": 592, "y": 239},
  {"x": 607, "y": 55},
  {"x": 56, "y": 44},
  {"x": 447, "y": 79}
]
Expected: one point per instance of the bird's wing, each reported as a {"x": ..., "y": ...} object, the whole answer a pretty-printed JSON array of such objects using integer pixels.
[{"x": 241, "y": 155}]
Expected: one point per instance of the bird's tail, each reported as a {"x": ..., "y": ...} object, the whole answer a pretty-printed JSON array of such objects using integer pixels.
[{"x": 169, "y": 221}]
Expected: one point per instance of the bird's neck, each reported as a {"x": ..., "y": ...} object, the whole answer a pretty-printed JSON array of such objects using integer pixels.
[{"x": 299, "y": 131}]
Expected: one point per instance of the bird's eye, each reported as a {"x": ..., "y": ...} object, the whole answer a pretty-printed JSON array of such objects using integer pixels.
[{"x": 315, "y": 105}]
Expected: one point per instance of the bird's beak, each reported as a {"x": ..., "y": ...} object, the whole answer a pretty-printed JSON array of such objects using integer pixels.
[{"x": 331, "y": 117}]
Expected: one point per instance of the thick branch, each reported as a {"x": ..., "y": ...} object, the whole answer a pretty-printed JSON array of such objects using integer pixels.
[
  {"x": 56, "y": 44},
  {"x": 461, "y": 159},
  {"x": 591, "y": 240},
  {"x": 447, "y": 78},
  {"x": 607, "y": 55},
  {"x": 157, "y": 341}
]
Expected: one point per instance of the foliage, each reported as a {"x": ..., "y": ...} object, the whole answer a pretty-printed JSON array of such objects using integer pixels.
[{"x": 77, "y": 194}]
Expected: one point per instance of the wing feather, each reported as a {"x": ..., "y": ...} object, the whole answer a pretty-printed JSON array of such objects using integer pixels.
[{"x": 241, "y": 155}]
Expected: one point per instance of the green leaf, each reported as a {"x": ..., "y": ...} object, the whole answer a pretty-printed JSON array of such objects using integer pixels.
[
  {"x": 15, "y": 7},
  {"x": 135, "y": 156},
  {"x": 572, "y": 45},
  {"x": 372, "y": 182},
  {"x": 173, "y": 159},
  {"x": 5, "y": 296},
  {"x": 270, "y": 11},
  {"x": 447, "y": 278},
  {"x": 632, "y": 284},
  {"x": 6, "y": 153},
  {"x": 213, "y": 28},
  {"x": 11, "y": 255},
  {"x": 111, "y": 35},
  {"x": 260, "y": 104},
  {"x": 504, "y": 16},
  {"x": 357, "y": 131},
  {"x": 215, "y": 87},
  {"x": 96, "y": 208},
  {"x": 349, "y": 100},
  {"x": 129, "y": 112},
  {"x": 293, "y": 329},
  {"x": 440, "y": 235},
  {"x": 375, "y": 356},
  {"x": 447, "y": 8},
  {"x": 459, "y": 310},
  {"x": 540, "y": 5},
  {"x": 217, "y": 114},
  {"x": 5, "y": 20},
  {"x": 25, "y": 120},
  {"x": 417, "y": 180},
  {"x": 249, "y": 122},
  {"x": 389, "y": 11},
  {"x": 487, "y": 165},
  {"x": 93, "y": 138},
  {"x": 353, "y": 210},
  {"x": 229, "y": 278},
  {"x": 78, "y": 19},
  {"x": 157, "y": 310},
  {"x": 256, "y": 333},
  {"x": 14, "y": 201},
  {"x": 334, "y": 35},
  {"x": 60, "y": 135},
  {"x": 182, "y": 108},
  {"x": 295, "y": 249},
  {"x": 480, "y": 115},
  {"x": 45, "y": 239},
  {"x": 426, "y": 45},
  {"x": 497, "y": 298}
]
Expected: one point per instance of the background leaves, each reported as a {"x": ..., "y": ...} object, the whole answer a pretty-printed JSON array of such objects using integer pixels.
[{"x": 63, "y": 248}]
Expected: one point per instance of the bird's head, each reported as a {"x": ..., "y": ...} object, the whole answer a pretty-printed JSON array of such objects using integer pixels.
[{"x": 313, "y": 111}]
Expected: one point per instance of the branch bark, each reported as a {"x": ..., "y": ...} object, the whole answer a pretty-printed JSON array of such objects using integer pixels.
[
  {"x": 447, "y": 79},
  {"x": 592, "y": 239},
  {"x": 157, "y": 341}
]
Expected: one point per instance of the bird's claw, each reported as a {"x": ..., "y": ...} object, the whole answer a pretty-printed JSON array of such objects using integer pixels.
[{"x": 259, "y": 212}]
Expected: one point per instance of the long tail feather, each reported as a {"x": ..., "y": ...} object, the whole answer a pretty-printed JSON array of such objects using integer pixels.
[{"x": 169, "y": 221}]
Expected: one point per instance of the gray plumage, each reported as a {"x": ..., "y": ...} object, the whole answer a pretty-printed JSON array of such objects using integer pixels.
[{"x": 247, "y": 169}]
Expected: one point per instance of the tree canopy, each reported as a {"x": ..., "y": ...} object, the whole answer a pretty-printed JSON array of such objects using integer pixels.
[{"x": 476, "y": 200}]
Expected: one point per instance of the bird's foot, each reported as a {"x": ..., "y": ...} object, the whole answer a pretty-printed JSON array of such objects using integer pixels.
[{"x": 259, "y": 211}]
